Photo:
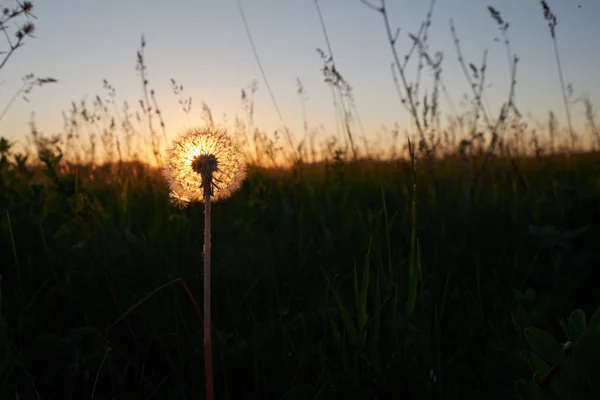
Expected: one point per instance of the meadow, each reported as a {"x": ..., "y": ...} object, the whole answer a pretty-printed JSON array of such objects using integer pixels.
[{"x": 342, "y": 269}]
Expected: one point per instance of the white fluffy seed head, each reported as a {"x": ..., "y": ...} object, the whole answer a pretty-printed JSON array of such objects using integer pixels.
[{"x": 198, "y": 152}]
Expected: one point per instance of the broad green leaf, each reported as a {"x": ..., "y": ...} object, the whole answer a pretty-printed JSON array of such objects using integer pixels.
[
  {"x": 545, "y": 346},
  {"x": 577, "y": 324},
  {"x": 594, "y": 324},
  {"x": 522, "y": 319},
  {"x": 568, "y": 376},
  {"x": 341, "y": 343},
  {"x": 517, "y": 295},
  {"x": 527, "y": 390},
  {"x": 346, "y": 318},
  {"x": 586, "y": 354},
  {"x": 530, "y": 295},
  {"x": 539, "y": 365}
]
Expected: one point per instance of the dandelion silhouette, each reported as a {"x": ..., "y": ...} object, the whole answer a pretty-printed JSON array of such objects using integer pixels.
[
  {"x": 203, "y": 158},
  {"x": 204, "y": 165}
]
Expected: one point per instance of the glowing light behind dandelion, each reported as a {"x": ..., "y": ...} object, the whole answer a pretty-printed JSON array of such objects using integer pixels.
[{"x": 186, "y": 183}]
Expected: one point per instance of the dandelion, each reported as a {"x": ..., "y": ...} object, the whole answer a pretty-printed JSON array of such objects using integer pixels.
[
  {"x": 203, "y": 158},
  {"x": 204, "y": 165}
]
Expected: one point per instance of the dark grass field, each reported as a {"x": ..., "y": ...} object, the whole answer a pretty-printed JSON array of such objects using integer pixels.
[{"x": 311, "y": 284}]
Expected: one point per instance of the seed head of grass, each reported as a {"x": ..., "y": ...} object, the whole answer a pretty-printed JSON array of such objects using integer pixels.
[{"x": 203, "y": 159}]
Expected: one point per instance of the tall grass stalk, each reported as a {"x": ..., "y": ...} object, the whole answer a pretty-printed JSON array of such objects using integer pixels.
[{"x": 552, "y": 20}]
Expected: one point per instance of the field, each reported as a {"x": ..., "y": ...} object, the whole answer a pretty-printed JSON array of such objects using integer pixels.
[
  {"x": 340, "y": 271},
  {"x": 310, "y": 283}
]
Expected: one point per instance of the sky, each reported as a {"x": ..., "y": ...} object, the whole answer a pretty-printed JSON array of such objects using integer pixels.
[{"x": 203, "y": 44}]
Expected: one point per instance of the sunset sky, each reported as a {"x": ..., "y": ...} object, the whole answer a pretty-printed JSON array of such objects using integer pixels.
[{"x": 204, "y": 46}]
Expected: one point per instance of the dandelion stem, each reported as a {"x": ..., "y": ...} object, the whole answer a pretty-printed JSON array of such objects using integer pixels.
[
  {"x": 208, "y": 367},
  {"x": 214, "y": 159}
]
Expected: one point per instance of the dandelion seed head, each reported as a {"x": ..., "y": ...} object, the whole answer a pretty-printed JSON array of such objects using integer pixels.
[
  {"x": 200, "y": 153},
  {"x": 178, "y": 200},
  {"x": 205, "y": 164}
]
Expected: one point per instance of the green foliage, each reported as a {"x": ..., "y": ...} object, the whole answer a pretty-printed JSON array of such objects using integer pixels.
[
  {"x": 327, "y": 283},
  {"x": 569, "y": 371}
]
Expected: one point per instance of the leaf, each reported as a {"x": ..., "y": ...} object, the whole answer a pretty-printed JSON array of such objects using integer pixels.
[
  {"x": 594, "y": 324},
  {"x": 530, "y": 294},
  {"x": 346, "y": 318},
  {"x": 577, "y": 324},
  {"x": 341, "y": 343},
  {"x": 586, "y": 354},
  {"x": 527, "y": 390},
  {"x": 539, "y": 365},
  {"x": 377, "y": 317},
  {"x": 546, "y": 346},
  {"x": 522, "y": 319},
  {"x": 517, "y": 296},
  {"x": 413, "y": 280},
  {"x": 361, "y": 306}
]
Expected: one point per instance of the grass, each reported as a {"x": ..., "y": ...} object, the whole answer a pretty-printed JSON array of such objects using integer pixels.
[
  {"x": 357, "y": 272},
  {"x": 310, "y": 285}
]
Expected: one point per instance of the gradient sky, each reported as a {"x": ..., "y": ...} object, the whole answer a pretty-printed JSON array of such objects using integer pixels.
[{"x": 204, "y": 46}]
